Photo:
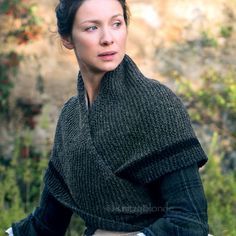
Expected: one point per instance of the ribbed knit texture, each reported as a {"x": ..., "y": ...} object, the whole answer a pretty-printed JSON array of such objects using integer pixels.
[{"x": 136, "y": 131}]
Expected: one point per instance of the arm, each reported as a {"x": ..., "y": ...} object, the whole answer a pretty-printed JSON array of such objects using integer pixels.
[
  {"x": 184, "y": 203},
  {"x": 51, "y": 218}
]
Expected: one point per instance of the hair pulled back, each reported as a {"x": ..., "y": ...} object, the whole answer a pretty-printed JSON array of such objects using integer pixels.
[{"x": 66, "y": 11}]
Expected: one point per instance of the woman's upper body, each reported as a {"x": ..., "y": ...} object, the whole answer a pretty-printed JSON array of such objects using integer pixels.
[
  {"x": 103, "y": 163},
  {"x": 136, "y": 132}
]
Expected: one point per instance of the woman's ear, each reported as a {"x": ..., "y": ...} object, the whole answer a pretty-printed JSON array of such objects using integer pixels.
[{"x": 67, "y": 42}]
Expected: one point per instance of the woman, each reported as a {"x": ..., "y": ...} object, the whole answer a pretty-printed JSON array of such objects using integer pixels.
[{"x": 125, "y": 157}]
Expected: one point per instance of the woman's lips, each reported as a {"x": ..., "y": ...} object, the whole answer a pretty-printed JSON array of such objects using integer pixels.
[{"x": 107, "y": 56}]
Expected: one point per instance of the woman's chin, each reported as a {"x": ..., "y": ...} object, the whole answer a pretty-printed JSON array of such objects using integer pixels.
[{"x": 108, "y": 66}]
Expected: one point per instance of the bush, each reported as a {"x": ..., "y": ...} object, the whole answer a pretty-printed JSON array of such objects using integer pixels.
[{"x": 220, "y": 192}]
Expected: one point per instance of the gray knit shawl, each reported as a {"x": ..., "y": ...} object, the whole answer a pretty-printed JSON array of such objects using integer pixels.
[{"x": 136, "y": 131}]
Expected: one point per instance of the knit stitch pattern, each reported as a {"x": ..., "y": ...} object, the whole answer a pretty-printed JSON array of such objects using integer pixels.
[{"x": 136, "y": 131}]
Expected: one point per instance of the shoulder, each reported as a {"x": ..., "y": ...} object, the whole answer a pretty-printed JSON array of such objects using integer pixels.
[
  {"x": 70, "y": 103},
  {"x": 69, "y": 108},
  {"x": 159, "y": 96}
]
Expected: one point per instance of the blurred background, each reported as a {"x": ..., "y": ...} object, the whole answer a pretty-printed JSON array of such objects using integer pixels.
[{"x": 189, "y": 46}]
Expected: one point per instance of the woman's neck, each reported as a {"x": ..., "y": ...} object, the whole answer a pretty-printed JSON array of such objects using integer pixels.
[{"x": 92, "y": 84}]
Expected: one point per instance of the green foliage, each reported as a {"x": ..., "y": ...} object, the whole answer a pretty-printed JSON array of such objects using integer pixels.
[
  {"x": 226, "y": 31},
  {"x": 220, "y": 192},
  {"x": 10, "y": 201},
  {"x": 21, "y": 180},
  {"x": 76, "y": 227},
  {"x": 208, "y": 40},
  {"x": 214, "y": 102},
  {"x": 9, "y": 63},
  {"x": 223, "y": 88}
]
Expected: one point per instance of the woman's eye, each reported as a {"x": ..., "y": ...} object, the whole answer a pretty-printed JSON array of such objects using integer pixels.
[
  {"x": 91, "y": 28},
  {"x": 117, "y": 24}
]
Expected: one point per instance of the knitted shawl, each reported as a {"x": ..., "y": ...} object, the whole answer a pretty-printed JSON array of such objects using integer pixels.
[{"x": 136, "y": 131}]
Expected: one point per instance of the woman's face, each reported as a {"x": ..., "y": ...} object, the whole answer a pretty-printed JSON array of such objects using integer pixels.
[{"x": 99, "y": 35}]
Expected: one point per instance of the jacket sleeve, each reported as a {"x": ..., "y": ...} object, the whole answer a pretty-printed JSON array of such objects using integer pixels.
[
  {"x": 184, "y": 209},
  {"x": 51, "y": 218}
]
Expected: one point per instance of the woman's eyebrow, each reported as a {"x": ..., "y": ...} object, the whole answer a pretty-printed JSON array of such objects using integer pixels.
[{"x": 98, "y": 21}]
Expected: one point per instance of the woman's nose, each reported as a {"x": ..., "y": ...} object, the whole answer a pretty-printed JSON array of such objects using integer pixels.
[{"x": 106, "y": 37}]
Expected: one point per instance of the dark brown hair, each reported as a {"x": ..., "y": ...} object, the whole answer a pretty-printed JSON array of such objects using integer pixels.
[{"x": 66, "y": 11}]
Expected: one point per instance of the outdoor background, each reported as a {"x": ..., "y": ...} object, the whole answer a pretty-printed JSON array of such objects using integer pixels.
[{"x": 188, "y": 45}]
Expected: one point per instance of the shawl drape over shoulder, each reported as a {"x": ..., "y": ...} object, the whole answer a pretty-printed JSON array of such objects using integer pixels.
[{"x": 136, "y": 131}]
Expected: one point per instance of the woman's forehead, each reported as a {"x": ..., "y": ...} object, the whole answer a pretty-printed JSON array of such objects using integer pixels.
[{"x": 94, "y": 10}]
